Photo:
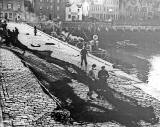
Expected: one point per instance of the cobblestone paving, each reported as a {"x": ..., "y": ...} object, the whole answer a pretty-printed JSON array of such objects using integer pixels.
[
  {"x": 121, "y": 85},
  {"x": 131, "y": 91},
  {"x": 24, "y": 103}
]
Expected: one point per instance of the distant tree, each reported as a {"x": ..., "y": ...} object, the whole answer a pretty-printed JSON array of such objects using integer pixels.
[{"x": 29, "y": 5}]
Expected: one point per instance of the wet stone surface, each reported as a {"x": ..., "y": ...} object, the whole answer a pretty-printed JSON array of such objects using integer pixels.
[
  {"x": 120, "y": 85},
  {"x": 27, "y": 105},
  {"x": 23, "y": 101}
]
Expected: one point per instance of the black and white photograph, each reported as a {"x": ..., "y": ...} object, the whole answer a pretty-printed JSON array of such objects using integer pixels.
[{"x": 79, "y": 63}]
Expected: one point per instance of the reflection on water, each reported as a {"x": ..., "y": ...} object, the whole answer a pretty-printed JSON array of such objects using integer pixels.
[{"x": 154, "y": 74}]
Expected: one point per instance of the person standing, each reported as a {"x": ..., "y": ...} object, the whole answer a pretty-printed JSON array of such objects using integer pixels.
[
  {"x": 4, "y": 26},
  {"x": 35, "y": 31},
  {"x": 103, "y": 76},
  {"x": 14, "y": 37},
  {"x": 93, "y": 77},
  {"x": 16, "y": 32},
  {"x": 84, "y": 54}
]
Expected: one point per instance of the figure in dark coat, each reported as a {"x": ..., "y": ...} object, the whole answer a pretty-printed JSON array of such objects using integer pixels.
[
  {"x": 35, "y": 31},
  {"x": 103, "y": 76},
  {"x": 84, "y": 53},
  {"x": 16, "y": 32}
]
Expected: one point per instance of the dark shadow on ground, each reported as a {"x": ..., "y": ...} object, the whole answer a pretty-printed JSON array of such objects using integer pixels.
[{"x": 127, "y": 113}]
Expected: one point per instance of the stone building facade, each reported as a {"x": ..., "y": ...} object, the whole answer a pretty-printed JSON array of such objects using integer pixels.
[
  {"x": 44, "y": 9},
  {"x": 74, "y": 12},
  {"x": 12, "y": 9},
  {"x": 139, "y": 9},
  {"x": 50, "y": 9},
  {"x": 104, "y": 9}
]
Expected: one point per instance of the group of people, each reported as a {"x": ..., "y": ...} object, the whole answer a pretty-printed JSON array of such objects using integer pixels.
[
  {"x": 12, "y": 37},
  {"x": 99, "y": 81},
  {"x": 9, "y": 37}
]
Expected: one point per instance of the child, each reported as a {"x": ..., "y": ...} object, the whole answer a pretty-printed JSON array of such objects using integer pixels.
[{"x": 92, "y": 75}]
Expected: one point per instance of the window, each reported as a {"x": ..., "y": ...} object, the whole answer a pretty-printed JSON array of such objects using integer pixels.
[
  {"x": 40, "y": 7},
  {"x": 69, "y": 16},
  {"x": 41, "y": 1},
  {"x": 47, "y": 8},
  {"x": 51, "y": 7},
  {"x": 57, "y": 1},
  {"x": 9, "y": 6},
  {"x": 10, "y": 15}
]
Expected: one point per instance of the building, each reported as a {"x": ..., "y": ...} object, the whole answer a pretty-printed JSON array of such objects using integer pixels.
[
  {"x": 139, "y": 9},
  {"x": 12, "y": 9},
  {"x": 156, "y": 8},
  {"x": 60, "y": 6},
  {"x": 74, "y": 12},
  {"x": 50, "y": 9},
  {"x": 44, "y": 9},
  {"x": 85, "y": 7},
  {"x": 104, "y": 9}
]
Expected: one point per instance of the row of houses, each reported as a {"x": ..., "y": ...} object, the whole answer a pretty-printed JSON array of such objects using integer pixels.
[
  {"x": 73, "y": 10},
  {"x": 50, "y": 9},
  {"x": 59, "y": 9},
  {"x": 104, "y": 9},
  {"x": 127, "y": 9},
  {"x": 139, "y": 8},
  {"x": 44, "y": 9}
]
